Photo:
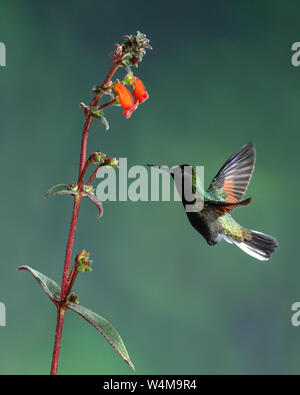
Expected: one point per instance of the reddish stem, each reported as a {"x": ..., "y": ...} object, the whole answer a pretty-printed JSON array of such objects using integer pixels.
[
  {"x": 93, "y": 175},
  {"x": 72, "y": 278},
  {"x": 81, "y": 177},
  {"x": 69, "y": 248},
  {"x": 65, "y": 286},
  {"x": 108, "y": 104},
  {"x": 109, "y": 76},
  {"x": 58, "y": 335},
  {"x": 85, "y": 133},
  {"x": 89, "y": 117}
]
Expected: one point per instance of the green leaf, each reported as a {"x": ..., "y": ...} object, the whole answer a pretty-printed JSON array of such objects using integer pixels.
[
  {"x": 85, "y": 108},
  {"x": 104, "y": 327},
  {"x": 60, "y": 189},
  {"x": 104, "y": 122},
  {"x": 49, "y": 286},
  {"x": 97, "y": 112},
  {"x": 95, "y": 201},
  {"x": 100, "y": 115}
]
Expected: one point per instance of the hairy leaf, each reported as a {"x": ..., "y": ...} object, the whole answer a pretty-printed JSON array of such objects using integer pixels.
[
  {"x": 95, "y": 201},
  {"x": 105, "y": 328},
  {"x": 85, "y": 108},
  {"x": 104, "y": 121},
  {"x": 49, "y": 286},
  {"x": 100, "y": 115},
  {"x": 60, "y": 189}
]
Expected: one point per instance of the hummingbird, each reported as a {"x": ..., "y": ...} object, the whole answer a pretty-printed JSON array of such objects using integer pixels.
[{"x": 212, "y": 219}]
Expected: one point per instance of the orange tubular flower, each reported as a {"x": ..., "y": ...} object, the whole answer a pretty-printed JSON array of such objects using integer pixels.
[
  {"x": 126, "y": 100},
  {"x": 139, "y": 90}
]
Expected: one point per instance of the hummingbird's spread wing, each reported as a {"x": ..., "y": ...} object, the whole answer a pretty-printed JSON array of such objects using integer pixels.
[
  {"x": 191, "y": 179},
  {"x": 231, "y": 182}
]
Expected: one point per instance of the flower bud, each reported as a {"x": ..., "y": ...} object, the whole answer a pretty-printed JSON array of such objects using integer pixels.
[
  {"x": 88, "y": 189},
  {"x": 83, "y": 262},
  {"x": 97, "y": 157},
  {"x": 73, "y": 298},
  {"x": 73, "y": 187},
  {"x": 113, "y": 162},
  {"x": 134, "y": 47},
  {"x": 129, "y": 79}
]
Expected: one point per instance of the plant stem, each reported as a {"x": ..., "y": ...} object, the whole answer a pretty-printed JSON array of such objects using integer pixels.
[
  {"x": 108, "y": 104},
  {"x": 58, "y": 335},
  {"x": 60, "y": 305},
  {"x": 65, "y": 286},
  {"x": 81, "y": 177},
  {"x": 85, "y": 133},
  {"x": 109, "y": 76},
  {"x": 89, "y": 118},
  {"x": 93, "y": 175},
  {"x": 72, "y": 278}
]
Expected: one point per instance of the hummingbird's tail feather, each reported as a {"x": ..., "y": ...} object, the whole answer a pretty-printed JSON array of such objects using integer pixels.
[{"x": 258, "y": 245}]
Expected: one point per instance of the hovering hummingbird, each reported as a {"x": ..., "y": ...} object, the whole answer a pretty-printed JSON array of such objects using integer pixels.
[{"x": 213, "y": 220}]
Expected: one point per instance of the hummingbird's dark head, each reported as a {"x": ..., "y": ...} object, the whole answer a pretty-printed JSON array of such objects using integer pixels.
[{"x": 183, "y": 178}]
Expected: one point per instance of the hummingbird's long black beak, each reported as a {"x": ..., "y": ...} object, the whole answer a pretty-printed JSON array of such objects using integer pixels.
[{"x": 166, "y": 169}]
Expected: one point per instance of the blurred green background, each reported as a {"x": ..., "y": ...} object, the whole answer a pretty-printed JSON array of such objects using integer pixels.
[{"x": 219, "y": 76}]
